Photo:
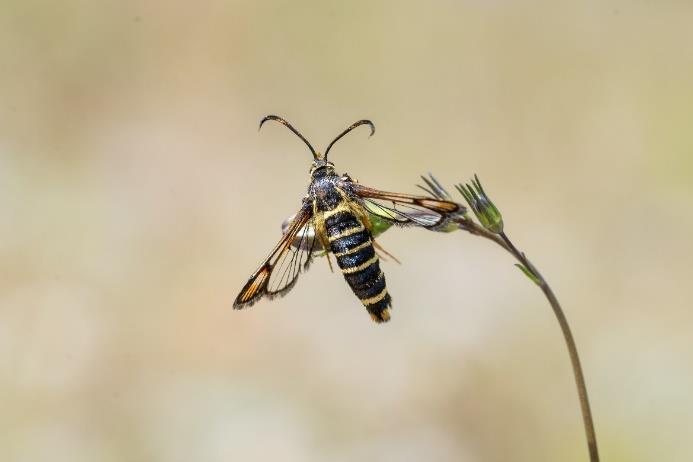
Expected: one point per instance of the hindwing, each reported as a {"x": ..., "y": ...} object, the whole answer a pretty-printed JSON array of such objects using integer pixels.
[{"x": 279, "y": 272}]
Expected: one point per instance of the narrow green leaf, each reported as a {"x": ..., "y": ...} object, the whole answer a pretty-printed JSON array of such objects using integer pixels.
[{"x": 528, "y": 273}]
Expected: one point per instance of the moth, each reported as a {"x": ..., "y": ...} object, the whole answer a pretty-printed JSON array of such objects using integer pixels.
[{"x": 336, "y": 218}]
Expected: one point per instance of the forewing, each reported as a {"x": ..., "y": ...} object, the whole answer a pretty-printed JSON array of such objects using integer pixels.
[
  {"x": 406, "y": 209},
  {"x": 279, "y": 272}
]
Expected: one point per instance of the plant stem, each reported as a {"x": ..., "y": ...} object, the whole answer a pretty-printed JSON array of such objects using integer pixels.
[{"x": 503, "y": 240}]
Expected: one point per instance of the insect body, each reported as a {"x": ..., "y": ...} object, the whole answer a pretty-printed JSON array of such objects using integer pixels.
[
  {"x": 348, "y": 233},
  {"x": 335, "y": 216}
]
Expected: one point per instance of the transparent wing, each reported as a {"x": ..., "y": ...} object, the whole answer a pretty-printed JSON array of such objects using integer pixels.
[
  {"x": 279, "y": 272},
  {"x": 406, "y": 209},
  {"x": 303, "y": 240}
]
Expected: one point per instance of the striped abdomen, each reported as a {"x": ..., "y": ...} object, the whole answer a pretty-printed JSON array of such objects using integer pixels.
[{"x": 352, "y": 246}]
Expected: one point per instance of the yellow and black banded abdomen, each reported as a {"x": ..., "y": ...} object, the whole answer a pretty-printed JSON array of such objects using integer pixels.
[{"x": 352, "y": 246}]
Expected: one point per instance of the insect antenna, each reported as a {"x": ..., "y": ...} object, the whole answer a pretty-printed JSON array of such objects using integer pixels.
[
  {"x": 351, "y": 127},
  {"x": 290, "y": 127}
]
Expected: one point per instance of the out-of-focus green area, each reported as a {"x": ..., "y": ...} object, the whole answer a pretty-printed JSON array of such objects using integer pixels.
[{"x": 136, "y": 197}]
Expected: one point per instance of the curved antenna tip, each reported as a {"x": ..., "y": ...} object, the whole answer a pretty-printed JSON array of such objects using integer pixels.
[
  {"x": 290, "y": 127},
  {"x": 370, "y": 124},
  {"x": 350, "y": 128},
  {"x": 270, "y": 117}
]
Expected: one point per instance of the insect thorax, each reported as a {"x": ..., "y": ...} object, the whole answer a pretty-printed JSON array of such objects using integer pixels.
[{"x": 326, "y": 192}]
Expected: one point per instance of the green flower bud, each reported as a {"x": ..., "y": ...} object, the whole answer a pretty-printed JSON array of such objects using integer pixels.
[{"x": 487, "y": 213}]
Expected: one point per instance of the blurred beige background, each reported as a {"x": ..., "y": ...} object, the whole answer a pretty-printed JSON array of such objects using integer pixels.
[{"x": 136, "y": 197}]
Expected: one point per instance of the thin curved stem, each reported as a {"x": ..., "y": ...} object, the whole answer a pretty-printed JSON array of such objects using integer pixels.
[
  {"x": 471, "y": 227},
  {"x": 491, "y": 228},
  {"x": 502, "y": 240},
  {"x": 570, "y": 343}
]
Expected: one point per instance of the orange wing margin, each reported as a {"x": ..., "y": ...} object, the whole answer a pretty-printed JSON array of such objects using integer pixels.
[
  {"x": 407, "y": 209},
  {"x": 288, "y": 260}
]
